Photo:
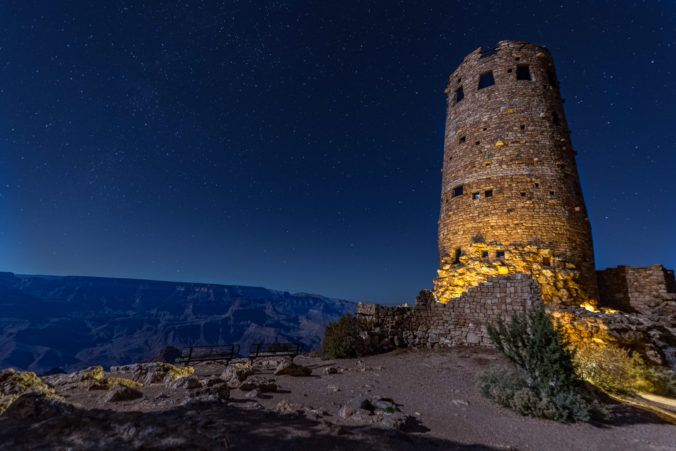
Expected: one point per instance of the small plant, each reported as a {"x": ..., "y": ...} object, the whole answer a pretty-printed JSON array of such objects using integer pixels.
[
  {"x": 542, "y": 381},
  {"x": 342, "y": 339},
  {"x": 616, "y": 369}
]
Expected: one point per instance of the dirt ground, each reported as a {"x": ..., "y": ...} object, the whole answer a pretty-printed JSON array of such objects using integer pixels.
[{"x": 435, "y": 389}]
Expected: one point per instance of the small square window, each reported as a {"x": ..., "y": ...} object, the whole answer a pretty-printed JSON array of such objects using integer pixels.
[
  {"x": 500, "y": 254},
  {"x": 537, "y": 185},
  {"x": 523, "y": 127},
  {"x": 509, "y": 71},
  {"x": 546, "y": 261},
  {"x": 486, "y": 79},
  {"x": 477, "y": 143},
  {"x": 523, "y": 194},
  {"x": 555, "y": 118},
  {"x": 457, "y": 191},
  {"x": 488, "y": 193},
  {"x": 462, "y": 139},
  {"x": 522, "y": 72},
  {"x": 551, "y": 194},
  {"x": 459, "y": 94},
  {"x": 484, "y": 254},
  {"x": 476, "y": 196}
]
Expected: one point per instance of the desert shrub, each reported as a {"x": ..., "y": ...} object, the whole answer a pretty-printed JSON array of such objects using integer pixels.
[
  {"x": 342, "y": 339},
  {"x": 542, "y": 382},
  {"x": 505, "y": 386},
  {"x": 538, "y": 350},
  {"x": 616, "y": 369}
]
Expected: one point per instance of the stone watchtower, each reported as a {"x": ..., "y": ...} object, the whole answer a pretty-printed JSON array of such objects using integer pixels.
[{"x": 511, "y": 200}]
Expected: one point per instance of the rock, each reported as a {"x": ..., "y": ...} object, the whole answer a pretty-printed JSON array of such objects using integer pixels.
[
  {"x": 38, "y": 405},
  {"x": 332, "y": 388},
  {"x": 108, "y": 382},
  {"x": 154, "y": 372},
  {"x": 14, "y": 383},
  {"x": 93, "y": 373},
  {"x": 354, "y": 405},
  {"x": 331, "y": 370},
  {"x": 384, "y": 404},
  {"x": 235, "y": 373},
  {"x": 253, "y": 393},
  {"x": 286, "y": 407},
  {"x": 214, "y": 381},
  {"x": 288, "y": 368},
  {"x": 219, "y": 392},
  {"x": 460, "y": 403},
  {"x": 119, "y": 393},
  {"x": 265, "y": 385},
  {"x": 189, "y": 383}
]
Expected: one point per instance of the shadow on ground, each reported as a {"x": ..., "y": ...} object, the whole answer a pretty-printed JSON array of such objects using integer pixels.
[{"x": 207, "y": 426}]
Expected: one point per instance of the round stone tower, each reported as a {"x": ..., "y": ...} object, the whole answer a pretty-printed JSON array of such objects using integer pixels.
[{"x": 511, "y": 198}]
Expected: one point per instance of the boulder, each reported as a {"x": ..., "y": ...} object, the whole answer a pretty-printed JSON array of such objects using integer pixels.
[
  {"x": 108, "y": 382},
  {"x": 235, "y": 373},
  {"x": 14, "y": 383},
  {"x": 93, "y": 373},
  {"x": 120, "y": 393},
  {"x": 38, "y": 405},
  {"x": 189, "y": 383},
  {"x": 263, "y": 384},
  {"x": 154, "y": 372},
  {"x": 288, "y": 368},
  {"x": 220, "y": 392},
  {"x": 382, "y": 412}
]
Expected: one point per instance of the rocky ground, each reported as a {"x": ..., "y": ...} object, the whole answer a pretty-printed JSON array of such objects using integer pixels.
[{"x": 412, "y": 400}]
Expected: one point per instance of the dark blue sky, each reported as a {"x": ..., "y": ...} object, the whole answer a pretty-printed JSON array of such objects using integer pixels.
[{"x": 298, "y": 145}]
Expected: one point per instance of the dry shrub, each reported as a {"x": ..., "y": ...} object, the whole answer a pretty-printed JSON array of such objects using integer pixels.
[
  {"x": 342, "y": 339},
  {"x": 616, "y": 369}
]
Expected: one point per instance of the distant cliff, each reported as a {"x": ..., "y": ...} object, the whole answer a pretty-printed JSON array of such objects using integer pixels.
[{"x": 75, "y": 322}]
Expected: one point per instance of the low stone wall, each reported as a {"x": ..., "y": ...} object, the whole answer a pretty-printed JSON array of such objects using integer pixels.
[
  {"x": 463, "y": 321},
  {"x": 636, "y": 289}
]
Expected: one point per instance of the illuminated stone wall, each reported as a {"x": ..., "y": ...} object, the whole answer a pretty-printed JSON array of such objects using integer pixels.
[
  {"x": 461, "y": 322},
  {"x": 511, "y": 197},
  {"x": 642, "y": 290}
]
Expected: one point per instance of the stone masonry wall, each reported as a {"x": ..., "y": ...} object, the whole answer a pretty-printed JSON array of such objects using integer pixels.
[
  {"x": 511, "y": 196},
  {"x": 463, "y": 321},
  {"x": 636, "y": 289}
]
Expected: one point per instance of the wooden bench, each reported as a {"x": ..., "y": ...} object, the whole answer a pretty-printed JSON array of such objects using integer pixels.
[
  {"x": 275, "y": 350},
  {"x": 208, "y": 353}
]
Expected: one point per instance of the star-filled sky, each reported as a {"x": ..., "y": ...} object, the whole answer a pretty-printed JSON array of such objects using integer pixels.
[{"x": 298, "y": 144}]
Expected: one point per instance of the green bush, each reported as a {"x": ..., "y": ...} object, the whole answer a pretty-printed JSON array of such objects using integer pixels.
[
  {"x": 538, "y": 350},
  {"x": 616, "y": 369},
  {"x": 342, "y": 339},
  {"x": 505, "y": 387},
  {"x": 542, "y": 382}
]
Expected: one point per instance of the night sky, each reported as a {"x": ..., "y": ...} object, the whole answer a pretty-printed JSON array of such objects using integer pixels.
[{"x": 298, "y": 145}]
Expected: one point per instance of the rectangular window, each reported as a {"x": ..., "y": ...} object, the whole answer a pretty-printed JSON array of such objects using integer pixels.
[
  {"x": 551, "y": 194},
  {"x": 476, "y": 195},
  {"x": 484, "y": 254},
  {"x": 523, "y": 194},
  {"x": 551, "y": 78},
  {"x": 555, "y": 118},
  {"x": 488, "y": 193},
  {"x": 500, "y": 254},
  {"x": 457, "y": 253},
  {"x": 546, "y": 261},
  {"x": 486, "y": 79},
  {"x": 462, "y": 139},
  {"x": 457, "y": 191},
  {"x": 459, "y": 94},
  {"x": 522, "y": 72}
]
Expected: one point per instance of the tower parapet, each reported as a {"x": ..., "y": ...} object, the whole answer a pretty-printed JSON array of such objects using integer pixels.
[{"x": 511, "y": 197}]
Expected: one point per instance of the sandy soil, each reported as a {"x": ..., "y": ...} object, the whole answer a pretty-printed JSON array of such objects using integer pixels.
[{"x": 436, "y": 389}]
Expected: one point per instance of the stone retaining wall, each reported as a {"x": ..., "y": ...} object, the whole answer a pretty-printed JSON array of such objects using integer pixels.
[
  {"x": 636, "y": 289},
  {"x": 463, "y": 321}
]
